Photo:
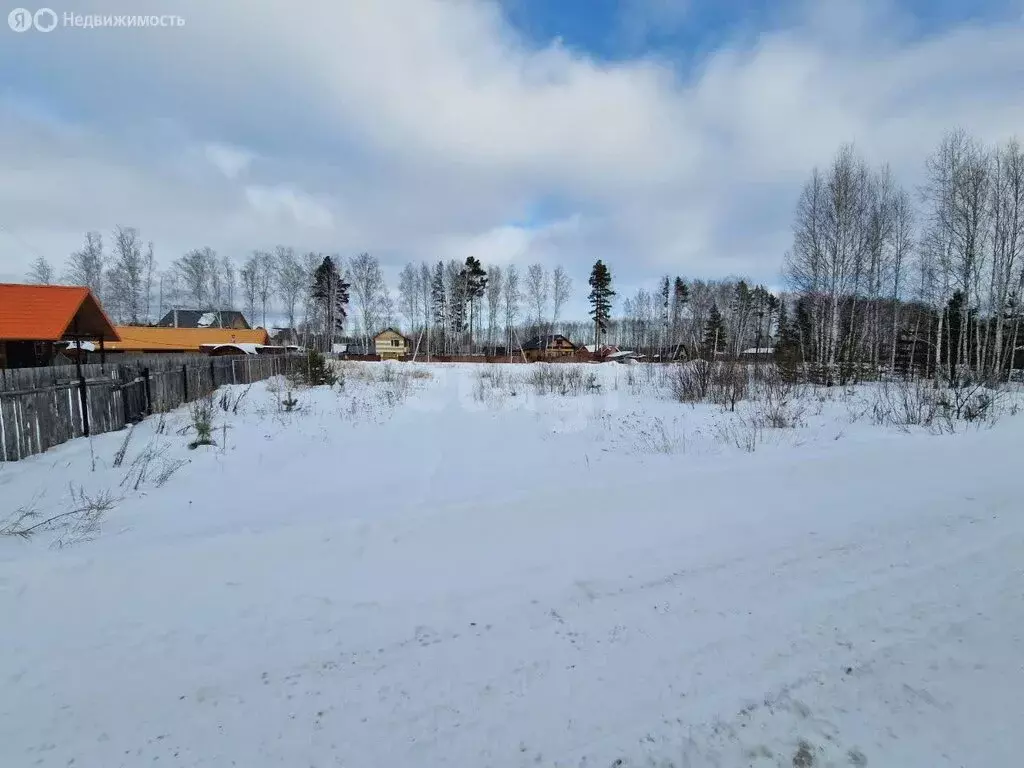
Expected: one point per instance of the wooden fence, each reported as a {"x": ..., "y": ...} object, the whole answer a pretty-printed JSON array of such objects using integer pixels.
[{"x": 44, "y": 407}]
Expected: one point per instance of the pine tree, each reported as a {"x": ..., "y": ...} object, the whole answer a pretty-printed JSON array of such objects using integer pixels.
[
  {"x": 680, "y": 298},
  {"x": 601, "y": 294},
  {"x": 787, "y": 348},
  {"x": 714, "y": 334},
  {"x": 330, "y": 294},
  {"x": 665, "y": 294},
  {"x": 474, "y": 283},
  {"x": 439, "y": 304}
]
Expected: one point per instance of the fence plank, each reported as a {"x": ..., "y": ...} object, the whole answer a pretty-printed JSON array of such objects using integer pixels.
[{"x": 42, "y": 407}]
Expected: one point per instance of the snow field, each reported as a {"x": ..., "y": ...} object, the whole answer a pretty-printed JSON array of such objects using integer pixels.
[{"x": 439, "y": 566}]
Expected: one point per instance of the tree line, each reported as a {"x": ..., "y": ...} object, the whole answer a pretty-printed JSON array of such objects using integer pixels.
[
  {"x": 881, "y": 277},
  {"x": 448, "y": 307},
  {"x": 927, "y": 281}
]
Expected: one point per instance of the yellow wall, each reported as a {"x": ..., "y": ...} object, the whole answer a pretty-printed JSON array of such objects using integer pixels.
[{"x": 384, "y": 344}]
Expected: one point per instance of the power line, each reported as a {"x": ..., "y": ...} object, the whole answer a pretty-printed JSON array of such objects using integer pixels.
[{"x": 23, "y": 241}]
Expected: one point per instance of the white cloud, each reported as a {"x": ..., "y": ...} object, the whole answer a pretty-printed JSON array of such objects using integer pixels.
[
  {"x": 291, "y": 205},
  {"x": 421, "y": 128},
  {"x": 231, "y": 161}
]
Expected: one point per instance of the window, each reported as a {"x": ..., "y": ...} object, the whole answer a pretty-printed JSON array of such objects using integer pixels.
[{"x": 395, "y": 343}]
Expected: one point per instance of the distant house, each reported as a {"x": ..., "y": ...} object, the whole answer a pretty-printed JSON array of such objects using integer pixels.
[
  {"x": 150, "y": 340},
  {"x": 597, "y": 352},
  {"x": 195, "y": 318},
  {"x": 36, "y": 321},
  {"x": 285, "y": 337},
  {"x": 389, "y": 344},
  {"x": 757, "y": 354},
  {"x": 622, "y": 356},
  {"x": 552, "y": 346}
]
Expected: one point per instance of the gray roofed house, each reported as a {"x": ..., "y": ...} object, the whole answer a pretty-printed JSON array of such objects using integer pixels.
[{"x": 196, "y": 318}]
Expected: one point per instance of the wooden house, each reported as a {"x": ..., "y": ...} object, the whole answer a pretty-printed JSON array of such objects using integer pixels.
[
  {"x": 36, "y": 321},
  {"x": 389, "y": 344},
  {"x": 552, "y": 346}
]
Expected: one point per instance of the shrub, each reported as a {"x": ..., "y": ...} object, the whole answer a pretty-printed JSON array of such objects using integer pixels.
[
  {"x": 550, "y": 379},
  {"x": 202, "y": 422},
  {"x": 690, "y": 382},
  {"x": 724, "y": 383},
  {"x": 730, "y": 383},
  {"x": 315, "y": 370},
  {"x": 779, "y": 397}
]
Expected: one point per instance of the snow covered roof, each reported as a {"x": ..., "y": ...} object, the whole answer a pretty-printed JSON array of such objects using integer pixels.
[
  {"x": 195, "y": 318},
  {"x": 758, "y": 351},
  {"x": 245, "y": 348}
]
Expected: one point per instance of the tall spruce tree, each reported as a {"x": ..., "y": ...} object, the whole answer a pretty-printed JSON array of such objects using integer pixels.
[
  {"x": 330, "y": 294},
  {"x": 474, "y": 281},
  {"x": 788, "y": 355},
  {"x": 439, "y": 305},
  {"x": 714, "y": 334},
  {"x": 601, "y": 294},
  {"x": 680, "y": 298}
]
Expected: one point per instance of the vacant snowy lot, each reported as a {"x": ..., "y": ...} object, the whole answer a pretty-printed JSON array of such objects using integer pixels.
[{"x": 441, "y": 566}]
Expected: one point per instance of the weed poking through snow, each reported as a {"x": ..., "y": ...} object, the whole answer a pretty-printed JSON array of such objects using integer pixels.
[{"x": 202, "y": 422}]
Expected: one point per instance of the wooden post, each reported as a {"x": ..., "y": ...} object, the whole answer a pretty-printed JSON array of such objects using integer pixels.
[
  {"x": 149, "y": 392},
  {"x": 184, "y": 381},
  {"x": 83, "y": 395}
]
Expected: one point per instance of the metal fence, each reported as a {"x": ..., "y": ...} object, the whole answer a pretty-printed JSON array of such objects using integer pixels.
[{"x": 44, "y": 407}]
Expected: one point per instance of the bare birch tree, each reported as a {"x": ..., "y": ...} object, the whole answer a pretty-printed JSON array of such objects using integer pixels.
[
  {"x": 409, "y": 295},
  {"x": 87, "y": 266},
  {"x": 230, "y": 278},
  {"x": 194, "y": 272},
  {"x": 127, "y": 276},
  {"x": 292, "y": 281},
  {"x": 265, "y": 273},
  {"x": 494, "y": 290},
  {"x": 512, "y": 295},
  {"x": 561, "y": 286},
  {"x": 537, "y": 286},
  {"x": 367, "y": 287},
  {"x": 250, "y": 281},
  {"x": 40, "y": 273}
]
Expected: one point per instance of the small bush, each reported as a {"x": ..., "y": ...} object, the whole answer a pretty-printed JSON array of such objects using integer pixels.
[
  {"x": 315, "y": 371},
  {"x": 289, "y": 403},
  {"x": 743, "y": 433},
  {"x": 730, "y": 383},
  {"x": 778, "y": 399},
  {"x": 565, "y": 380},
  {"x": 202, "y": 422},
  {"x": 691, "y": 382}
]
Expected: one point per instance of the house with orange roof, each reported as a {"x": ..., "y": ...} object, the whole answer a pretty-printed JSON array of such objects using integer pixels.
[
  {"x": 35, "y": 319},
  {"x": 150, "y": 340}
]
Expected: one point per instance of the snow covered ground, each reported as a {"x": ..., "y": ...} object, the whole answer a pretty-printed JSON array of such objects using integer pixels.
[{"x": 439, "y": 572}]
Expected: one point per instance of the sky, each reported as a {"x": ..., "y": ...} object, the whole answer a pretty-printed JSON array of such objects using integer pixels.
[{"x": 662, "y": 136}]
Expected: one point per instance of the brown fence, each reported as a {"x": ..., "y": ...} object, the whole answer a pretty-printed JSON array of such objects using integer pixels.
[{"x": 44, "y": 407}]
